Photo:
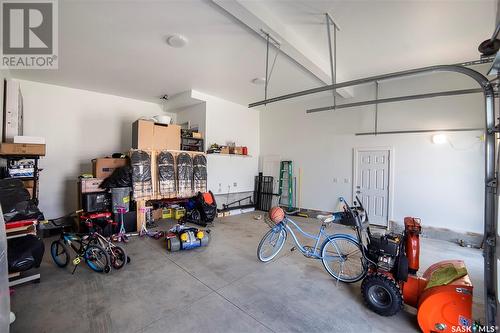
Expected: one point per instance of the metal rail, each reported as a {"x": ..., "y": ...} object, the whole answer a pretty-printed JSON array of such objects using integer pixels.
[
  {"x": 397, "y": 99},
  {"x": 441, "y": 68},
  {"x": 490, "y": 182},
  {"x": 422, "y": 131},
  {"x": 375, "y": 125}
]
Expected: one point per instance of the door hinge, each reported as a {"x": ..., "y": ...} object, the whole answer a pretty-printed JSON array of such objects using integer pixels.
[{"x": 492, "y": 185}]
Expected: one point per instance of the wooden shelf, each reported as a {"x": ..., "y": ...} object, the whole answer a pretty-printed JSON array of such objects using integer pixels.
[{"x": 236, "y": 155}]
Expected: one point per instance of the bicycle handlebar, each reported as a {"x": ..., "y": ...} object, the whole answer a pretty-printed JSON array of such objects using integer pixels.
[{"x": 72, "y": 214}]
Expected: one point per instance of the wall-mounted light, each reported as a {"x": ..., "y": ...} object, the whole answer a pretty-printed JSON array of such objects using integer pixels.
[{"x": 439, "y": 139}]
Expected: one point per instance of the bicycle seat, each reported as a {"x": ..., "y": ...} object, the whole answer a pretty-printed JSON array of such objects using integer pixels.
[{"x": 325, "y": 218}]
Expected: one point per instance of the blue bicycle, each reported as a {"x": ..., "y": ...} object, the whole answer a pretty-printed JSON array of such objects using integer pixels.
[{"x": 342, "y": 254}]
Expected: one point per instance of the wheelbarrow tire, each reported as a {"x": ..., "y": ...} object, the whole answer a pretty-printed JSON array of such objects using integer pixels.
[
  {"x": 382, "y": 294},
  {"x": 204, "y": 241},
  {"x": 173, "y": 244}
]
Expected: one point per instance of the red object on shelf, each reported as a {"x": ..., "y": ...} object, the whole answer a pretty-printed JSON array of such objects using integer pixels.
[
  {"x": 18, "y": 224},
  {"x": 244, "y": 150}
]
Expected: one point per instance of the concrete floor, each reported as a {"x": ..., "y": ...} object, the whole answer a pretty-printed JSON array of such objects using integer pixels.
[{"x": 220, "y": 288}]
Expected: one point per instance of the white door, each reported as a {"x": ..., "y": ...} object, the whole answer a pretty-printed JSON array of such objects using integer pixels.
[{"x": 372, "y": 183}]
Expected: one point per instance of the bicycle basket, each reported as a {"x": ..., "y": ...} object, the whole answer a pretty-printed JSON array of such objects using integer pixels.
[{"x": 345, "y": 218}]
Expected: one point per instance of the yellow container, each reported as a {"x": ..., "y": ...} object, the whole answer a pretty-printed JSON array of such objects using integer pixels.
[
  {"x": 167, "y": 213},
  {"x": 179, "y": 212}
]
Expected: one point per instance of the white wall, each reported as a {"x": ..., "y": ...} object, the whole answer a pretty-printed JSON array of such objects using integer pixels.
[
  {"x": 442, "y": 184},
  {"x": 78, "y": 125},
  {"x": 228, "y": 121}
]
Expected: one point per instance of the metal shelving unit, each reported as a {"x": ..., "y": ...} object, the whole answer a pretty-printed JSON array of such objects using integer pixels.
[
  {"x": 36, "y": 172},
  {"x": 192, "y": 144}
]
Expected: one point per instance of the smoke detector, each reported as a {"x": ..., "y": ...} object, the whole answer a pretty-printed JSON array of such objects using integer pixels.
[{"x": 177, "y": 41}]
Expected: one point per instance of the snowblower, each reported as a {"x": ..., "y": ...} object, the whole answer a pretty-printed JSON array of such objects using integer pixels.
[{"x": 442, "y": 295}]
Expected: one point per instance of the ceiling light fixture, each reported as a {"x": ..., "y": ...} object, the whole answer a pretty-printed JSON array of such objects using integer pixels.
[
  {"x": 259, "y": 81},
  {"x": 177, "y": 41}
]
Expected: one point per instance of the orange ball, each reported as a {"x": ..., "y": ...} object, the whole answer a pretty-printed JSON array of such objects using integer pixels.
[{"x": 276, "y": 214}]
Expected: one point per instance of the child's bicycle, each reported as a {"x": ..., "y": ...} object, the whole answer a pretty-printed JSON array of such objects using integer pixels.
[
  {"x": 94, "y": 255},
  {"x": 342, "y": 254},
  {"x": 117, "y": 254}
]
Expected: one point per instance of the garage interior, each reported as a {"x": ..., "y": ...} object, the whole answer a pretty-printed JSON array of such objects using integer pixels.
[{"x": 249, "y": 166}]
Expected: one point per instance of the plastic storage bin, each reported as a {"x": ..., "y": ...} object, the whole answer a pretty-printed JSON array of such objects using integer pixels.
[
  {"x": 166, "y": 213},
  {"x": 179, "y": 212},
  {"x": 120, "y": 197}
]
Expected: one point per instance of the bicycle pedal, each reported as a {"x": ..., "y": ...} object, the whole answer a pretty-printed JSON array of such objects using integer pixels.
[{"x": 292, "y": 249}]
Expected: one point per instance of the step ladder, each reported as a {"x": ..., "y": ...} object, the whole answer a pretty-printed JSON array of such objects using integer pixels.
[{"x": 286, "y": 185}]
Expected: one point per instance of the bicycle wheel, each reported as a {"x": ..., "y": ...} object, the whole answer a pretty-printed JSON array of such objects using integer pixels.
[
  {"x": 59, "y": 253},
  {"x": 96, "y": 258},
  {"x": 271, "y": 244},
  {"x": 343, "y": 259},
  {"x": 118, "y": 257}
]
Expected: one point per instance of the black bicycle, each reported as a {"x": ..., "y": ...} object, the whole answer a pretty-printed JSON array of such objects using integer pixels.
[{"x": 85, "y": 248}]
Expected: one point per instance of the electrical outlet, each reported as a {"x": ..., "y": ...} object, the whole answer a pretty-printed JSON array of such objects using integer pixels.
[
  {"x": 235, "y": 184},
  {"x": 335, "y": 180},
  {"x": 347, "y": 180}
]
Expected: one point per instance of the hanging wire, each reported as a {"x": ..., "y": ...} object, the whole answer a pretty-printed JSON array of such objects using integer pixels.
[
  {"x": 330, "y": 52},
  {"x": 269, "y": 73},
  {"x": 274, "y": 61},
  {"x": 267, "y": 65}
]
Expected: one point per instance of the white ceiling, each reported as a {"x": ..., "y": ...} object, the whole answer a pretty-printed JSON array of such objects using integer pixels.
[{"x": 118, "y": 47}]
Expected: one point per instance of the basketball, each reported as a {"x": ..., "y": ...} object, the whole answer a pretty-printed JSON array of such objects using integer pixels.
[{"x": 276, "y": 214}]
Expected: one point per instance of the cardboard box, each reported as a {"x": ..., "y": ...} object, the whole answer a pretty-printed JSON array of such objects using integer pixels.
[
  {"x": 28, "y": 183},
  {"x": 29, "y": 139},
  {"x": 238, "y": 150},
  {"x": 157, "y": 214},
  {"x": 148, "y": 135},
  {"x": 22, "y": 149},
  {"x": 90, "y": 185},
  {"x": 13, "y": 110},
  {"x": 104, "y": 167},
  {"x": 224, "y": 150},
  {"x": 142, "y": 134},
  {"x": 197, "y": 135}
]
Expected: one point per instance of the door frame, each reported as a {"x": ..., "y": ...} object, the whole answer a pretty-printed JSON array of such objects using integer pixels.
[{"x": 390, "y": 187}]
